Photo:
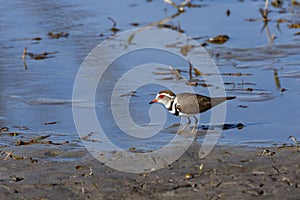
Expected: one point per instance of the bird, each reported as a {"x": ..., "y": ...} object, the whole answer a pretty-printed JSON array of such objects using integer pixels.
[{"x": 187, "y": 104}]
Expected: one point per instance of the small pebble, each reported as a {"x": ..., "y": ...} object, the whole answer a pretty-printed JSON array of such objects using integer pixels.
[{"x": 189, "y": 176}]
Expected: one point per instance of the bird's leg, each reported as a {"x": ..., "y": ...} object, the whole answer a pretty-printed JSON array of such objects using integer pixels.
[
  {"x": 196, "y": 123},
  {"x": 185, "y": 125}
]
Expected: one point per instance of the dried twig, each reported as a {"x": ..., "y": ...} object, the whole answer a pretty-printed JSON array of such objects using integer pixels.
[
  {"x": 24, "y": 53},
  {"x": 9, "y": 154},
  {"x": 114, "y": 29},
  {"x": 91, "y": 171}
]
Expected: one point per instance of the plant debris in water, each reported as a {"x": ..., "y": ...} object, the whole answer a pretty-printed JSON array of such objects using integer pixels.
[
  {"x": 175, "y": 73},
  {"x": 129, "y": 94},
  {"x": 296, "y": 26},
  {"x": 235, "y": 74},
  {"x": 298, "y": 33},
  {"x": 49, "y": 123},
  {"x": 172, "y": 27},
  {"x": 34, "y": 38},
  {"x": 57, "y": 35},
  {"x": 220, "y": 39},
  {"x": 86, "y": 137},
  {"x": 38, "y": 140},
  {"x": 34, "y": 56},
  {"x": 277, "y": 3},
  {"x": 184, "y": 49},
  {"x": 13, "y": 134},
  {"x": 114, "y": 28},
  {"x": 4, "y": 129},
  {"x": 23, "y": 128},
  {"x": 295, "y": 3},
  {"x": 277, "y": 82}
]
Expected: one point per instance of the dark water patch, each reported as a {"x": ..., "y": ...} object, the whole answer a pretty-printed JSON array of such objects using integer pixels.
[{"x": 225, "y": 126}]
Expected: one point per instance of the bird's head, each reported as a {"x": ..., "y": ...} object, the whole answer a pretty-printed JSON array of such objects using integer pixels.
[{"x": 164, "y": 97}]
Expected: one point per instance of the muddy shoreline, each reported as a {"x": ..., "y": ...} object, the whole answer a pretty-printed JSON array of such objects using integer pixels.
[{"x": 70, "y": 172}]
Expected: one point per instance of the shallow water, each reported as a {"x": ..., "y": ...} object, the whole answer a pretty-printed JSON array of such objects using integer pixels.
[{"x": 43, "y": 92}]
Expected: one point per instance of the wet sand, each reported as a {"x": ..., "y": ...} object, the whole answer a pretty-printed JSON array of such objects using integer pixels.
[{"x": 67, "y": 171}]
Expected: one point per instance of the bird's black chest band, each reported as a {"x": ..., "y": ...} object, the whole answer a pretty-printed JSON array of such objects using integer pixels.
[{"x": 176, "y": 110}]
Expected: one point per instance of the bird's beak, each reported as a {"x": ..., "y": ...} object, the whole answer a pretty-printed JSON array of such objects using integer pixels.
[{"x": 153, "y": 101}]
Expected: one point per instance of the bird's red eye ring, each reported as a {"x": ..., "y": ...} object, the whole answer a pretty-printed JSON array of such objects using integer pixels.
[{"x": 161, "y": 96}]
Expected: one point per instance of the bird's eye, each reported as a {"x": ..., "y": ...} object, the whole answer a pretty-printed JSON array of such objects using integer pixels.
[{"x": 161, "y": 96}]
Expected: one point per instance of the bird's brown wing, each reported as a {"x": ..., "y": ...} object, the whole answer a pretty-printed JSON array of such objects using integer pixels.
[
  {"x": 195, "y": 103},
  {"x": 205, "y": 103}
]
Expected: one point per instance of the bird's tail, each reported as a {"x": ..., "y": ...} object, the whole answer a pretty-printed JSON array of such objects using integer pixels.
[
  {"x": 217, "y": 100},
  {"x": 230, "y": 98}
]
